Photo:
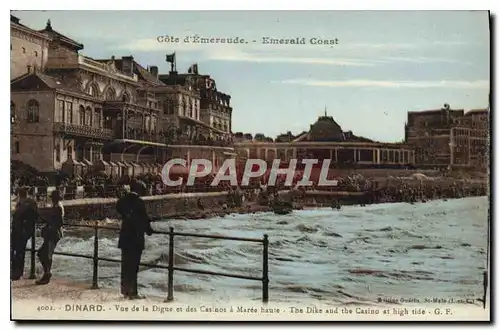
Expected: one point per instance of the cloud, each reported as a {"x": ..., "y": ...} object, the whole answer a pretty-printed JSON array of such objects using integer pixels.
[
  {"x": 249, "y": 53},
  {"x": 455, "y": 84},
  {"x": 238, "y": 56},
  {"x": 421, "y": 59},
  {"x": 350, "y": 54}
]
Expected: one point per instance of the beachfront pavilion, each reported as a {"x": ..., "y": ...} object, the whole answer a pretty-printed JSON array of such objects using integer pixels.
[{"x": 340, "y": 153}]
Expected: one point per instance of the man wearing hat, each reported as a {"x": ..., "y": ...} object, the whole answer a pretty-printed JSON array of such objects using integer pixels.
[
  {"x": 135, "y": 223},
  {"x": 23, "y": 228},
  {"x": 51, "y": 233}
]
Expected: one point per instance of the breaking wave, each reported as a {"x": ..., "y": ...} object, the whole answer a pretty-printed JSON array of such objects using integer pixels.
[{"x": 357, "y": 254}]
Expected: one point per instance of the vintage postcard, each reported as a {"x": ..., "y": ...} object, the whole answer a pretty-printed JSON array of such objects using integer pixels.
[{"x": 250, "y": 166}]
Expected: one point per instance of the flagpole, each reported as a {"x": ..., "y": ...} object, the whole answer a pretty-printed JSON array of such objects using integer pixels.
[{"x": 175, "y": 61}]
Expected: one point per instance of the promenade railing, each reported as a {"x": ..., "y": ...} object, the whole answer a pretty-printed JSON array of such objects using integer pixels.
[{"x": 171, "y": 265}]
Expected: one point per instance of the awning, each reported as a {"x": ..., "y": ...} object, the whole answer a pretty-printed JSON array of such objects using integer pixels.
[
  {"x": 134, "y": 164},
  {"x": 103, "y": 162},
  {"x": 141, "y": 142},
  {"x": 120, "y": 164},
  {"x": 229, "y": 153},
  {"x": 87, "y": 162},
  {"x": 72, "y": 162},
  {"x": 113, "y": 164}
]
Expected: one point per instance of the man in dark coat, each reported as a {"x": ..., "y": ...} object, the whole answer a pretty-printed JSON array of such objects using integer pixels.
[
  {"x": 135, "y": 223},
  {"x": 23, "y": 228},
  {"x": 51, "y": 233}
]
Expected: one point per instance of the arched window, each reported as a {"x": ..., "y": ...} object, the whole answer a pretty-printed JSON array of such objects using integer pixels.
[
  {"x": 12, "y": 113},
  {"x": 93, "y": 90},
  {"x": 88, "y": 116},
  {"x": 126, "y": 97},
  {"x": 81, "y": 114},
  {"x": 110, "y": 94},
  {"x": 33, "y": 111}
]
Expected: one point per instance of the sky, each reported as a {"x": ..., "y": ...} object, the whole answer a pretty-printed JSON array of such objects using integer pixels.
[{"x": 384, "y": 64}]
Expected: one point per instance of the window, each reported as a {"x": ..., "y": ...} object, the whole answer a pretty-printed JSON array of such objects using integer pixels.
[
  {"x": 36, "y": 53},
  {"x": 58, "y": 153},
  {"x": 16, "y": 147},
  {"x": 12, "y": 113},
  {"x": 81, "y": 113},
  {"x": 110, "y": 94},
  {"x": 68, "y": 116},
  {"x": 93, "y": 90},
  {"x": 97, "y": 118},
  {"x": 70, "y": 153},
  {"x": 88, "y": 116},
  {"x": 24, "y": 50},
  {"x": 60, "y": 111},
  {"x": 125, "y": 97},
  {"x": 168, "y": 107},
  {"x": 33, "y": 111}
]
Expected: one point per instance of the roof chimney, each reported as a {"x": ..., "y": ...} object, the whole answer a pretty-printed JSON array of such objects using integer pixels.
[
  {"x": 48, "y": 27},
  {"x": 154, "y": 71},
  {"x": 128, "y": 65}
]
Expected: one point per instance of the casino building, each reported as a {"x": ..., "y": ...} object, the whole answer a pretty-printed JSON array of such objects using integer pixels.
[
  {"x": 326, "y": 140},
  {"x": 74, "y": 113}
]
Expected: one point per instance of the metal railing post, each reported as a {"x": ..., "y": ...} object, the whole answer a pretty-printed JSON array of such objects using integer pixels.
[
  {"x": 485, "y": 288},
  {"x": 33, "y": 251},
  {"x": 265, "y": 270},
  {"x": 170, "y": 285},
  {"x": 95, "y": 273}
]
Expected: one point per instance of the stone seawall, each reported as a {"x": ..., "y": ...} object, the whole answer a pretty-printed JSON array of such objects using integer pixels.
[{"x": 160, "y": 206}]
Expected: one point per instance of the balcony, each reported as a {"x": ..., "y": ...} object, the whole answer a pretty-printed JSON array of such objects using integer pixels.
[
  {"x": 138, "y": 134},
  {"x": 83, "y": 131},
  {"x": 85, "y": 61}
]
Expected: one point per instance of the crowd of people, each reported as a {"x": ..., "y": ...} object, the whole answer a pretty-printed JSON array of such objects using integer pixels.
[{"x": 101, "y": 185}]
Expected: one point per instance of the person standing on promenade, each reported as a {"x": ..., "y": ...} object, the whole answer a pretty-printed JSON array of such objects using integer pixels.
[
  {"x": 23, "y": 228},
  {"x": 135, "y": 223},
  {"x": 51, "y": 233}
]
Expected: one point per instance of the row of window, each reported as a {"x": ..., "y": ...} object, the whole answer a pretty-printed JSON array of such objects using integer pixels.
[
  {"x": 85, "y": 115},
  {"x": 221, "y": 125},
  {"x": 93, "y": 90},
  {"x": 32, "y": 110},
  {"x": 23, "y": 49}
]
